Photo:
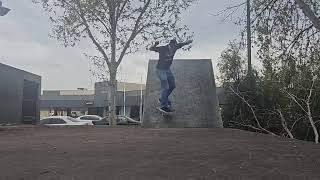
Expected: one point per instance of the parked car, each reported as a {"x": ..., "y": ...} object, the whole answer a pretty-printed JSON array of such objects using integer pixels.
[
  {"x": 61, "y": 121},
  {"x": 121, "y": 120},
  {"x": 89, "y": 118}
]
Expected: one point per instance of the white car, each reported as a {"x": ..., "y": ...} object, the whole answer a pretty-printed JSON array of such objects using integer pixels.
[
  {"x": 61, "y": 121},
  {"x": 89, "y": 118},
  {"x": 121, "y": 120}
]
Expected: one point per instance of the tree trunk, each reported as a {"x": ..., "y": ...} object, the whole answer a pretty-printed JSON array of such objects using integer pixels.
[
  {"x": 314, "y": 128},
  {"x": 309, "y": 13},
  {"x": 284, "y": 124},
  {"x": 113, "y": 67},
  {"x": 112, "y": 96}
]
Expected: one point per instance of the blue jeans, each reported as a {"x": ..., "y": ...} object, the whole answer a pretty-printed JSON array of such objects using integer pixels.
[{"x": 167, "y": 86}]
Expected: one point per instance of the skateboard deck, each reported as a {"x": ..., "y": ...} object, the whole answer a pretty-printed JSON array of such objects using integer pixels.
[{"x": 163, "y": 113}]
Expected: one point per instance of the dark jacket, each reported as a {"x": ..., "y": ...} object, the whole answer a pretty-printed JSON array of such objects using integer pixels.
[{"x": 166, "y": 54}]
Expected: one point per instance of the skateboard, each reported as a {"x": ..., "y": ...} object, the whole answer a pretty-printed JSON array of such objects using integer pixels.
[{"x": 163, "y": 113}]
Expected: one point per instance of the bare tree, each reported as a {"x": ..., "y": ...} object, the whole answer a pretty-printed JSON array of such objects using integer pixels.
[
  {"x": 284, "y": 124},
  {"x": 259, "y": 127},
  {"x": 305, "y": 105},
  {"x": 116, "y": 28}
]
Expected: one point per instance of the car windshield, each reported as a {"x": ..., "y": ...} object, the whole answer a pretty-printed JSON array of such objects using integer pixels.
[{"x": 72, "y": 119}]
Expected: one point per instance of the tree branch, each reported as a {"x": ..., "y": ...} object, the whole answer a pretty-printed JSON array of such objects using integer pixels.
[
  {"x": 295, "y": 40},
  {"x": 284, "y": 124},
  {"x": 95, "y": 42},
  {"x": 308, "y": 12},
  {"x": 272, "y": 3},
  {"x": 315, "y": 130},
  {"x": 134, "y": 32},
  {"x": 229, "y": 11},
  {"x": 295, "y": 123},
  {"x": 253, "y": 113},
  {"x": 229, "y": 8},
  {"x": 245, "y": 125},
  {"x": 308, "y": 109},
  {"x": 120, "y": 9},
  {"x": 294, "y": 98},
  {"x": 102, "y": 22}
]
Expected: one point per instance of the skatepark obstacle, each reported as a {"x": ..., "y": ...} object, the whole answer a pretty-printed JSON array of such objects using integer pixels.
[{"x": 194, "y": 100}]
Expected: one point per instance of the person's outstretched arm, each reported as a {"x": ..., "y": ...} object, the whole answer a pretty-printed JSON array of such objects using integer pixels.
[
  {"x": 154, "y": 47},
  {"x": 180, "y": 45}
]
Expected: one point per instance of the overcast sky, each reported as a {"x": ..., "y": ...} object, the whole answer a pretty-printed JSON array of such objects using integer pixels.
[{"x": 25, "y": 44}]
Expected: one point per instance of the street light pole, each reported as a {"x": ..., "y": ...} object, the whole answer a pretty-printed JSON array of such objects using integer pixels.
[
  {"x": 141, "y": 98},
  {"x": 249, "y": 38},
  {"x": 124, "y": 98},
  {"x": 3, "y": 10}
]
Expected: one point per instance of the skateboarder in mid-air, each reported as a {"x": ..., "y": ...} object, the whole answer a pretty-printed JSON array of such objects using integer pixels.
[{"x": 166, "y": 54}]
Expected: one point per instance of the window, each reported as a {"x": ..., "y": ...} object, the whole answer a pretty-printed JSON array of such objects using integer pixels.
[
  {"x": 84, "y": 118},
  {"x": 72, "y": 119},
  {"x": 44, "y": 121},
  {"x": 94, "y": 118}
]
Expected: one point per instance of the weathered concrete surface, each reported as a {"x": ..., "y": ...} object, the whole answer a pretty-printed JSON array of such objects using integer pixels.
[{"x": 194, "y": 99}]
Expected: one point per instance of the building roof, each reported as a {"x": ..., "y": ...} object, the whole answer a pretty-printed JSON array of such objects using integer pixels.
[
  {"x": 68, "y": 92},
  {"x": 16, "y": 69}
]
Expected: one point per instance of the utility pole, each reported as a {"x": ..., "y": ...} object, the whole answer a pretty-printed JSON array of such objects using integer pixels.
[
  {"x": 141, "y": 99},
  {"x": 124, "y": 98},
  {"x": 124, "y": 92},
  {"x": 249, "y": 38}
]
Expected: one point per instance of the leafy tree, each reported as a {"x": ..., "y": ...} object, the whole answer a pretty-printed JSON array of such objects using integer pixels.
[
  {"x": 285, "y": 98},
  {"x": 231, "y": 64},
  {"x": 283, "y": 35}
]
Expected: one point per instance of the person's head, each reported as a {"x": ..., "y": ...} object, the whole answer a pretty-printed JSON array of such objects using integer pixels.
[{"x": 173, "y": 42}]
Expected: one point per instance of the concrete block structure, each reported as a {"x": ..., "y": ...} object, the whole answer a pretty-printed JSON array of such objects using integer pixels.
[
  {"x": 194, "y": 99},
  {"x": 19, "y": 96}
]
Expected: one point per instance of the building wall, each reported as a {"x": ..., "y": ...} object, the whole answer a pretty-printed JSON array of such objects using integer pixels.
[
  {"x": 121, "y": 110},
  {"x": 102, "y": 92},
  {"x": 11, "y": 94}
]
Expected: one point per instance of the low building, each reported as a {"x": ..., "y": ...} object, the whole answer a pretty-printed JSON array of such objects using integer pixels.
[
  {"x": 67, "y": 102},
  {"x": 19, "y": 95},
  {"x": 95, "y": 102}
]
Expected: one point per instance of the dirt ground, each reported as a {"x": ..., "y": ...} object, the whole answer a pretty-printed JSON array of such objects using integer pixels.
[{"x": 34, "y": 153}]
